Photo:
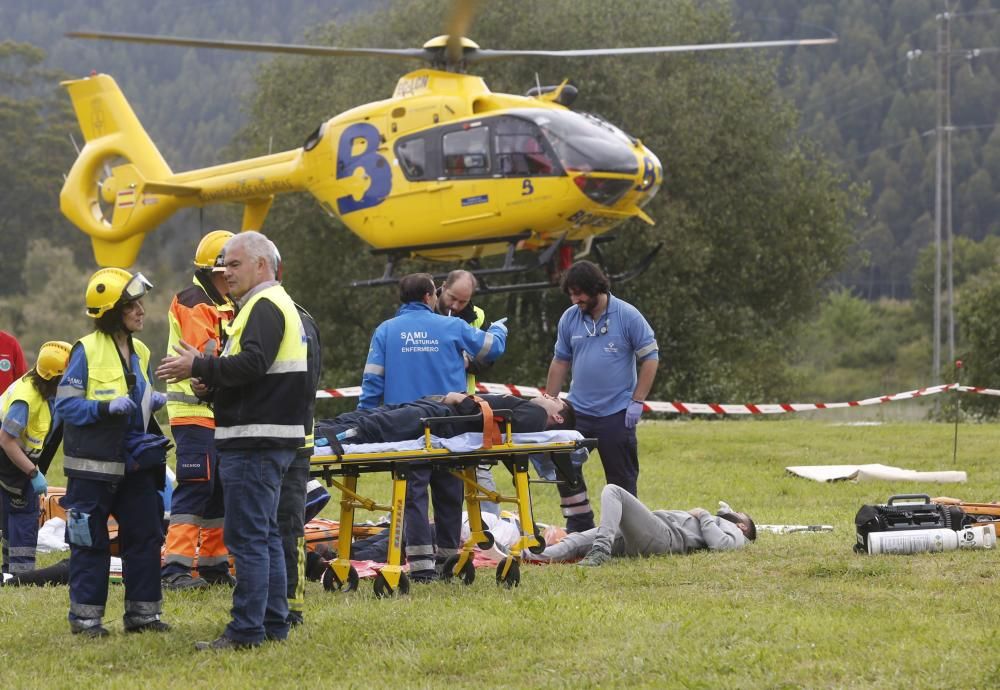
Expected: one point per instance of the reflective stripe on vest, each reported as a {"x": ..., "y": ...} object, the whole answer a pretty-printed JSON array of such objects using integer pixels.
[
  {"x": 107, "y": 467},
  {"x": 260, "y": 430}
]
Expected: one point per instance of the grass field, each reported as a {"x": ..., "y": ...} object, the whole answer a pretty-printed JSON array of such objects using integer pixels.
[{"x": 795, "y": 610}]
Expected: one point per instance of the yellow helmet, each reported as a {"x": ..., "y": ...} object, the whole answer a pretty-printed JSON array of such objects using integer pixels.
[
  {"x": 209, "y": 251},
  {"x": 52, "y": 359},
  {"x": 109, "y": 285}
]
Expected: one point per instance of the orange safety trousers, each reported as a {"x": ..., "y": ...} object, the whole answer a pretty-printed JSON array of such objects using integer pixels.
[{"x": 194, "y": 538}]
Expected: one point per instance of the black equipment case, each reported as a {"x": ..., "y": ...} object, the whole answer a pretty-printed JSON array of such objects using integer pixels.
[{"x": 906, "y": 512}]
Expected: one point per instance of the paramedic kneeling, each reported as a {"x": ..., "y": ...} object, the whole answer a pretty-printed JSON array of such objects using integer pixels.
[{"x": 260, "y": 390}]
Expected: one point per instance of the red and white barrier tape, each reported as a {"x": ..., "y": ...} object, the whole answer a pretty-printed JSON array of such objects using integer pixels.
[{"x": 711, "y": 408}]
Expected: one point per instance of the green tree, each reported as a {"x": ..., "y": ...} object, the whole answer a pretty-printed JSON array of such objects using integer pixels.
[
  {"x": 980, "y": 351},
  {"x": 34, "y": 152},
  {"x": 48, "y": 309},
  {"x": 969, "y": 259}
]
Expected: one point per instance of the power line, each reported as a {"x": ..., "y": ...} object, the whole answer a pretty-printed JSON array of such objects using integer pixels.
[
  {"x": 833, "y": 96},
  {"x": 861, "y": 106}
]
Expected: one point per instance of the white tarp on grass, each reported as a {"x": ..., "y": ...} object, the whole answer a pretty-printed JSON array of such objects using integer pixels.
[{"x": 858, "y": 473}]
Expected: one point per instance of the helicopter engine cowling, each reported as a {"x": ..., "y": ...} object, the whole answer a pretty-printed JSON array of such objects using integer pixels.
[{"x": 565, "y": 94}]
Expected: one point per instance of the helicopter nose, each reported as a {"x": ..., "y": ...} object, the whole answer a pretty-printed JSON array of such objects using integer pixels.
[{"x": 650, "y": 176}]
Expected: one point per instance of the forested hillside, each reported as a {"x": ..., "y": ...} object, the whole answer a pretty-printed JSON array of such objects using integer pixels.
[{"x": 872, "y": 105}]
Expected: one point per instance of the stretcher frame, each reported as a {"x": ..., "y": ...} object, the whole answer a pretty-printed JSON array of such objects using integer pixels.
[{"x": 343, "y": 472}]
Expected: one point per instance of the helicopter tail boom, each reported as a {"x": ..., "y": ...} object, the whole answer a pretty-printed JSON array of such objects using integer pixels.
[{"x": 110, "y": 192}]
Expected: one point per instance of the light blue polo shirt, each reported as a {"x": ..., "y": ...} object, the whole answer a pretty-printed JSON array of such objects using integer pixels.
[{"x": 604, "y": 355}]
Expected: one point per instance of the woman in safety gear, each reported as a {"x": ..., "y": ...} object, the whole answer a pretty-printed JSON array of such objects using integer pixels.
[
  {"x": 115, "y": 458},
  {"x": 28, "y": 440}
]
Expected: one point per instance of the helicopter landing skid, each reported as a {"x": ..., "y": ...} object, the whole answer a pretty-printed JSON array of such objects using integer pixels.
[
  {"x": 397, "y": 254},
  {"x": 555, "y": 259},
  {"x": 557, "y": 266}
]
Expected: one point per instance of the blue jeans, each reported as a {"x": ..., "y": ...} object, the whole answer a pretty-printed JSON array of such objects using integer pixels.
[{"x": 251, "y": 482}]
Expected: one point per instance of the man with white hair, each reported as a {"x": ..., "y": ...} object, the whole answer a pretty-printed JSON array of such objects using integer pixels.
[{"x": 259, "y": 386}]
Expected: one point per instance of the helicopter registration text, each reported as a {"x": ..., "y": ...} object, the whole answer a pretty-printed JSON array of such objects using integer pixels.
[
  {"x": 409, "y": 87},
  {"x": 594, "y": 220}
]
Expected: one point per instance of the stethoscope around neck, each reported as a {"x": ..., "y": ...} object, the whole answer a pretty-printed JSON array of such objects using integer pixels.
[{"x": 603, "y": 330}]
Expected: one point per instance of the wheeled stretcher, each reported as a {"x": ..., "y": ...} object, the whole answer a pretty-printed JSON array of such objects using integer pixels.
[{"x": 459, "y": 455}]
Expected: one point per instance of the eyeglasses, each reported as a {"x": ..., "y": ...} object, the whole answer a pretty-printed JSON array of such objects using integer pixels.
[{"x": 136, "y": 288}]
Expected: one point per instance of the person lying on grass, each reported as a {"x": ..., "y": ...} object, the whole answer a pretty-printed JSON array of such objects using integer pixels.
[{"x": 629, "y": 528}]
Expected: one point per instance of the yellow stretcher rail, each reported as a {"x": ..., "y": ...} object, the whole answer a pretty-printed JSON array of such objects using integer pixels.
[{"x": 342, "y": 472}]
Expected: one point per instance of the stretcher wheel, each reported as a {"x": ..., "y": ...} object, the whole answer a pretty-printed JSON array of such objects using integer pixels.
[
  {"x": 487, "y": 543},
  {"x": 382, "y": 588},
  {"x": 513, "y": 576},
  {"x": 467, "y": 574},
  {"x": 540, "y": 546},
  {"x": 332, "y": 583}
]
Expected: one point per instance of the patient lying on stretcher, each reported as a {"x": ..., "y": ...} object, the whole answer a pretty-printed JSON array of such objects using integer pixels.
[{"x": 402, "y": 422}]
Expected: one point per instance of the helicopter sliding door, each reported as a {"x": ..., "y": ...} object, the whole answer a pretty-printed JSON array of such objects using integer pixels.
[{"x": 467, "y": 162}]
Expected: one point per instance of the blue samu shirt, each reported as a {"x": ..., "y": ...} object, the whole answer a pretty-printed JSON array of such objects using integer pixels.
[{"x": 418, "y": 353}]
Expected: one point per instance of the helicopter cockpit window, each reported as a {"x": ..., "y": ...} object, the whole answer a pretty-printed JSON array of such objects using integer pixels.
[
  {"x": 467, "y": 152},
  {"x": 520, "y": 149},
  {"x": 412, "y": 157},
  {"x": 585, "y": 143}
]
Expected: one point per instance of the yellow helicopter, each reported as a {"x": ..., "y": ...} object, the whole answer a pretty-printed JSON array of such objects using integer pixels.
[{"x": 445, "y": 169}]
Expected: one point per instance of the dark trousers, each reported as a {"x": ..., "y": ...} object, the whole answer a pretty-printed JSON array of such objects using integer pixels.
[
  {"x": 137, "y": 506},
  {"x": 291, "y": 525},
  {"x": 20, "y": 529},
  {"x": 447, "y": 496},
  {"x": 575, "y": 503},
  {"x": 617, "y": 446}
]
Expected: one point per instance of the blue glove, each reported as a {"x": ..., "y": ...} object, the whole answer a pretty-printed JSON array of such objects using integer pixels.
[
  {"x": 39, "y": 485},
  {"x": 632, "y": 414},
  {"x": 159, "y": 400},
  {"x": 122, "y": 405},
  {"x": 499, "y": 325}
]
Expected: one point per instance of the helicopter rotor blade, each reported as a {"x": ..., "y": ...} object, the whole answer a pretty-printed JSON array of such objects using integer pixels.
[
  {"x": 488, "y": 55},
  {"x": 253, "y": 47},
  {"x": 459, "y": 22}
]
